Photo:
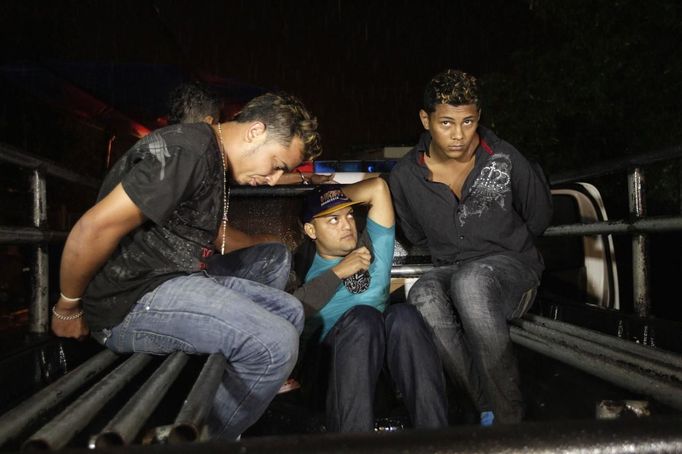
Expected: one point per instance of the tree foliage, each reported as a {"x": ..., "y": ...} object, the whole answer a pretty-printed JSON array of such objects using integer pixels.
[{"x": 600, "y": 79}]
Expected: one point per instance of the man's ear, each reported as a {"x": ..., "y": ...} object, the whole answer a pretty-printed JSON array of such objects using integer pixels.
[
  {"x": 209, "y": 120},
  {"x": 255, "y": 130},
  {"x": 309, "y": 230},
  {"x": 424, "y": 117}
]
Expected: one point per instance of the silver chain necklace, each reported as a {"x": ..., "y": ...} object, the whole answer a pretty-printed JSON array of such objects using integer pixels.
[{"x": 226, "y": 192}]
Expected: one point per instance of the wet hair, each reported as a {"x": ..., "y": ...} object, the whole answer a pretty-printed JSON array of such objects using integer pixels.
[
  {"x": 285, "y": 117},
  {"x": 452, "y": 87},
  {"x": 191, "y": 102}
]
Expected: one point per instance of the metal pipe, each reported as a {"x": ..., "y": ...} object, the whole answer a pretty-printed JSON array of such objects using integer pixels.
[
  {"x": 129, "y": 420},
  {"x": 61, "y": 429},
  {"x": 409, "y": 270},
  {"x": 648, "y": 225},
  {"x": 593, "y": 347},
  {"x": 622, "y": 375},
  {"x": 190, "y": 420},
  {"x": 644, "y": 351},
  {"x": 30, "y": 235},
  {"x": 640, "y": 243},
  {"x": 653, "y": 435},
  {"x": 38, "y": 313},
  {"x": 618, "y": 165},
  {"x": 33, "y": 408},
  {"x": 26, "y": 160}
]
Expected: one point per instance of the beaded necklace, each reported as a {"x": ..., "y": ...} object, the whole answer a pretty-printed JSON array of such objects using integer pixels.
[{"x": 226, "y": 192}]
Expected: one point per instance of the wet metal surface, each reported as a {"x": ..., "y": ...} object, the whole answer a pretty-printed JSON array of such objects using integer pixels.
[
  {"x": 59, "y": 431},
  {"x": 648, "y": 435},
  {"x": 640, "y": 243},
  {"x": 131, "y": 418}
]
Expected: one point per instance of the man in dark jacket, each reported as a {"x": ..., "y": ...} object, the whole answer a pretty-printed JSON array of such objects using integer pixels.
[{"x": 478, "y": 205}]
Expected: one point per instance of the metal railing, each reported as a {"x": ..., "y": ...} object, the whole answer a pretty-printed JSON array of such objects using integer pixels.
[
  {"x": 639, "y": 226},
  {"x": 38, "y": 235}
]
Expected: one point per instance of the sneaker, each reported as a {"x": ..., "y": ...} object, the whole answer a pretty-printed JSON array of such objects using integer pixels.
[{"x": 487, "y": 418}]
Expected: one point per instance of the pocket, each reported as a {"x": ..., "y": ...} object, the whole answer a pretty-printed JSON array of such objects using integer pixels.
[{"x": 160, "y": 344}]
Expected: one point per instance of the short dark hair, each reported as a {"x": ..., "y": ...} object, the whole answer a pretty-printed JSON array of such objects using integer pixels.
[
  {"x": 191, "y": 102},
  {"x": 285, "y": 117},
  {"x": 452, "y": 87}
]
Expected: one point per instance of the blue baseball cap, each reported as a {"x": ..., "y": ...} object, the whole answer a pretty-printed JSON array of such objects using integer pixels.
[{"x": 324, "y": 200}]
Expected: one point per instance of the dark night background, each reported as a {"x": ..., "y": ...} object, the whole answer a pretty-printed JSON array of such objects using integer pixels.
[{"x": 568, "y": 83}]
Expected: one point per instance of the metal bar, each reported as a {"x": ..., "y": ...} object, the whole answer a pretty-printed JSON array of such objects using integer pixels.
[
  {"x": 129, "y": 420},
  {"x": 640, "y": 243},
  {"x": 648, "y": 225},
  {"x": 409, "y": 270},
  {"x": 59, "y": 431},
  {"x": 33, "y": 408},
  {"x": 190, "y": 420},
  {"x": 653, "y": 435},
  {"x": 30, "y": 235},
  {"x": 644, "y": 351},
  {"x": 618, "y": 165},
  {"x": 621, "y": 375},
  {"x": 38, "y": 313},
  {"x": 607, "y": 351},
  {"x": 19, "y": 158}
]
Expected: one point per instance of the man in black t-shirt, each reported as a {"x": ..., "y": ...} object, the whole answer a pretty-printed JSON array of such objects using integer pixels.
[{"x": 133, "y": 267}]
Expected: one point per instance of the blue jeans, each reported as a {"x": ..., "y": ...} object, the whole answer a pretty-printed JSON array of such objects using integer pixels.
[
  {"x": 353, "y": 354},
  {"x": 254, "y": 326},
  {"x": 468, "y": 306},
  {"x": 267, "y": 263}
]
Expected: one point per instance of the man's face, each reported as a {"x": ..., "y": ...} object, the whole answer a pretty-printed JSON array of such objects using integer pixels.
[
  {"x": 335, "y": 234},
  {"x": 264, "y": 161},
  {"x": 453, "y": 129}
]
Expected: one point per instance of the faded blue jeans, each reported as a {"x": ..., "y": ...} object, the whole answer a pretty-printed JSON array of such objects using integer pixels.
[
  {"x": 256, "y": 328},
  {"x": 468, "y": 306},
  {"x": 267, "y": 263}
]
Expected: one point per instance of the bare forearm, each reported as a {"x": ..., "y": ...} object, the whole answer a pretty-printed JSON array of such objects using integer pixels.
[
  {"x": 85, "y": 252},
  {"x": 374, "y": 192}
]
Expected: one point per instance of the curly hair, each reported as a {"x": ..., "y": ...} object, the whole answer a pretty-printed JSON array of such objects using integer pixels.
[
  {"x": 285, "y": 117},
  {"x": 191, "y": 102},
  {"x": 453, "y": 87}
]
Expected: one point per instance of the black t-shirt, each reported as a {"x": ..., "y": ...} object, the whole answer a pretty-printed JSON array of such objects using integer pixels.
[{"x": 174, "y": 176}]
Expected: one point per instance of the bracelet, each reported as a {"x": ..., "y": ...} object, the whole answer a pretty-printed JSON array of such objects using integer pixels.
[
  {"x": 66, "y": 298},
  {"x": 66, "y": 317}
]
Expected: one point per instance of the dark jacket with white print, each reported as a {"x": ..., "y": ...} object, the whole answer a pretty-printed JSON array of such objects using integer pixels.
[{"x": 506, "y": 203}]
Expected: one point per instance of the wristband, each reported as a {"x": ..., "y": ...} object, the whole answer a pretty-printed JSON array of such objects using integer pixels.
[{"x": 71, "y": 300}]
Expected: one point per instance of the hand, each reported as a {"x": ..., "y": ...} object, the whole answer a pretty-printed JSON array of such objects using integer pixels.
[
  {"x": 358, "y": 260},
  {"x": 316, "y": 178},
  {"x": 76, "y": 328}
]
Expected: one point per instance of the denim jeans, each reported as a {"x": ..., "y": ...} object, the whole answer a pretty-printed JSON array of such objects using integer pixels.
[
  {"x": 254, "y": 326},
  {"x": 267, "y": 263},
  {"x": 468, "y": 306},
  {"x": 353, "y": 354}
]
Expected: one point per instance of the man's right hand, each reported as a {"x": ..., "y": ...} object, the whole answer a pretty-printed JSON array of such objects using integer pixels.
[
  {"x": 76, "y": 328},
  {"x": 358, "y": 260}
]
